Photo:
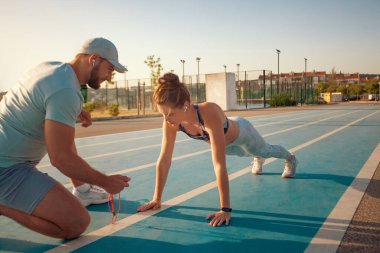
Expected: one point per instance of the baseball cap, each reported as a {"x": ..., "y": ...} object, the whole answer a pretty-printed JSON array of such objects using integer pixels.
[{"x": 105, "y": 49}]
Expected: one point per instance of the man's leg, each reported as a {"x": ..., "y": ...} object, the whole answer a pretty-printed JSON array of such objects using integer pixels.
[
  {"x": 59, "y": 214},
  {"x": 86, "y": 193}
]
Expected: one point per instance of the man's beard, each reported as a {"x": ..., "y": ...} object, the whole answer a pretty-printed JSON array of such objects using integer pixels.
[{"x": 94, "y": 81}]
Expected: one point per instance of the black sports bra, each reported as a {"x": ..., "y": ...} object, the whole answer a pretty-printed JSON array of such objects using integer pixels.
[{"x": 205, "y": 135}]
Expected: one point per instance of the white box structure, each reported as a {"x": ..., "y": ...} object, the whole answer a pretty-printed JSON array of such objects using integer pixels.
[{"x": 221, "y": 89}]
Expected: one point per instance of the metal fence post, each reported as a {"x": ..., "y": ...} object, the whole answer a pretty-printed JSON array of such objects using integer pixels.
[{"x": 264, "y": 89}]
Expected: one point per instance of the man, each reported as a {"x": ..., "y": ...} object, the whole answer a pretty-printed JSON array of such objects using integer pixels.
[{"x": 38, "y": 117}]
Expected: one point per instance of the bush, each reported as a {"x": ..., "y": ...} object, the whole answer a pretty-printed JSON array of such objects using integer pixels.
[
  {"x": 114, "y": 110},
  {"x": 89, "y": 106},
  {"x": 315, "y": 100},
  {"x": 282, "y": 100}
]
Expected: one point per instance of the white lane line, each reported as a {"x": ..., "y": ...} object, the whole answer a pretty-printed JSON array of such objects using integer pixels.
[
  {"x": 307, "y": 124},
  {"x": 119, "y": 140},
  {"x": 117, "y": 152},
  {"x": 274, "y": 116},
  {"x": 328, "y": 239},
  {"x": 291, "y": 119},
  {"x": 134, "y": 218},
  {"x": 123, "y": 133},
  {"x": 145, "y": 166}
]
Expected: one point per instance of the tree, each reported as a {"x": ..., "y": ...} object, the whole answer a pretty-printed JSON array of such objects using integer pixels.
[
  {"x": 322, "y": 87},
  {"x": 155, "y": 72},
  {"x": 155, "y": 69},
  {"x": 331, "y": 77},
  {"x": 332, "y": 88},
  {"x": 372, "y": 87},
  {"x": 356, "y": 89}
]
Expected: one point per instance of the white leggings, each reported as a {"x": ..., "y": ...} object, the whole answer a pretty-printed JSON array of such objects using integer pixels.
[{"x": 251, "y": 143}]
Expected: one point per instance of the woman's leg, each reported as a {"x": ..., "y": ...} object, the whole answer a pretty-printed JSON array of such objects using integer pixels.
[{"x": 260, "y": 149}]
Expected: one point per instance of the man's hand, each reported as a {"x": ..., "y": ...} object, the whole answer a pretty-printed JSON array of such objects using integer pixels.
[
  {"x": 85, "y": 117},
  {"x": 218, "y": 218},
  {"x": 116, "y": 183},
  {"x": 154, "y": 205}
]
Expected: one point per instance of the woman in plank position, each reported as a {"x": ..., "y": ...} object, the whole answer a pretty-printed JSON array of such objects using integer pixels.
[{"x": 207, "y": 122}]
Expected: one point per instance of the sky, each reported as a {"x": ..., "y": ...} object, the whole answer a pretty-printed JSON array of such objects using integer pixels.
[{"x": 340, "y": 34}]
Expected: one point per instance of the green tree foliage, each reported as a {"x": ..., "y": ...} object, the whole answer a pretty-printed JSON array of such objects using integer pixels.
[
  {"x": 155, "y": 69},
  {"x": 356, "y": 89},
  {"x": 372, "y": 87},
  {"x": 332, "y": 88},
  {"x": 321, "y": 87},
  {"x": 89, "y": 106},
  {"x": 114, "y": 109}
]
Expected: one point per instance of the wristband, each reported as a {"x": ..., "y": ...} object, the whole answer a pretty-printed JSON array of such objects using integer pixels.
[{"x": 226, "y": 209}]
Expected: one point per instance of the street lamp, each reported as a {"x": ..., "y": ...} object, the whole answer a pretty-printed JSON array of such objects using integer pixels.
[
  {"x": 305, "y": 80},
  {"x": 238, "y": 65},
  {"x": 183, "y": 71},
  {"x": 378, "y": 98},
  {"x": 225, "y": 68},
  {"x": 198, "y": 60},
  {"x": 278, "y": 70}
]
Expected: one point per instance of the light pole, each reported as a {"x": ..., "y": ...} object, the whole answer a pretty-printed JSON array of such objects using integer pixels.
[
  {"x": 198, "y": 60},
  {"x": 183, "y": 71},
  {"x": 278, "y": 70},
  {"x": 225, "y": 68},
  {"x": 378, "y": 98},
  {"x": 238, "y": 77},
  {"x": 305, "y": 80}
]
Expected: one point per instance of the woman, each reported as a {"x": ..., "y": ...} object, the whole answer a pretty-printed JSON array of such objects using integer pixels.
[{"x": 207, "y": 121}]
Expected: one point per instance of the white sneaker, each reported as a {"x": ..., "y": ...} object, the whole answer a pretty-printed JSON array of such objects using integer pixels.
[
  {"x": 290, "y": 167},
  {"x": 257, "y": 165},
  {"x": 90, "y": 194}
]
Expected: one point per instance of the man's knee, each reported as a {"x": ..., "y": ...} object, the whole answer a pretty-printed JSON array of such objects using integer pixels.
[{"x": 76, "y": 226}]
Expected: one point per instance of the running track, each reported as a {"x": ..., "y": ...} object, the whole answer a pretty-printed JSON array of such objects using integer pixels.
[{"x": 338, "y": 151}]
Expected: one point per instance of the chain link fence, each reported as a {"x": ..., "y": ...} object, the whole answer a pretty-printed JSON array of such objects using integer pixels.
[
  {"x": 257, "y": 88},
  {"x": 254, "y": 89}
]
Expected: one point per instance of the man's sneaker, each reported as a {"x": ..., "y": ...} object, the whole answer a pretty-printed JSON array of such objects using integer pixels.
[
  {"x": 290, "y": 167},
  {"x": 90, "y": 194},
  {"x": 257, "y": 165}
]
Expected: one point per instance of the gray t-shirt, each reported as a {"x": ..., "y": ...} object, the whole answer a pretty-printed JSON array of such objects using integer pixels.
[{"x": 51, "y": 90}]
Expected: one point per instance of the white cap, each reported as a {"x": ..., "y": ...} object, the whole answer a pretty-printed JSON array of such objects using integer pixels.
[{"x": 105, "y": 49}]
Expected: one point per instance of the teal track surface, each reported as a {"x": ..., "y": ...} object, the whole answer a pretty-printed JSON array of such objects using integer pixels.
[{"x": 270, "y": 214}]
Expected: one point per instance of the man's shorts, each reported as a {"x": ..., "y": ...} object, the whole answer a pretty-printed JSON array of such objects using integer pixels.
[{"x": 22, "y": 186}]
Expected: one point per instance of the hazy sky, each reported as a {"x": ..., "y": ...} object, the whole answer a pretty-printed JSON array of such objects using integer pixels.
[{"x": 344, "y": 34}]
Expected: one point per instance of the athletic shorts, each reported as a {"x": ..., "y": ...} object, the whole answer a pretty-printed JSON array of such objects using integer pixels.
[{"x": 22, "y": 186}]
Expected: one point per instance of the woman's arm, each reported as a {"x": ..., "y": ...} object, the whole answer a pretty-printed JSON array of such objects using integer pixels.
[
  {"x": 214, "y": 120},
  {"x": 162, "y": 167}
]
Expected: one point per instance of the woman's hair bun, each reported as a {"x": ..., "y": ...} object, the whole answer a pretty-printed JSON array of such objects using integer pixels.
[{"x": 169, "y": 78}]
